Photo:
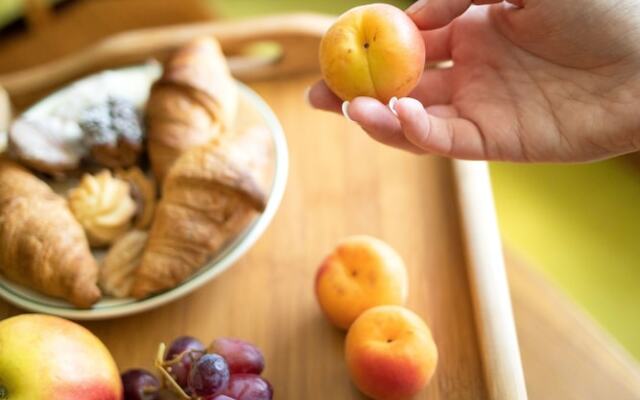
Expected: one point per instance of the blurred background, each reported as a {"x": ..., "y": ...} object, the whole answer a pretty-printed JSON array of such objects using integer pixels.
[{"x": 579, "y": 225}]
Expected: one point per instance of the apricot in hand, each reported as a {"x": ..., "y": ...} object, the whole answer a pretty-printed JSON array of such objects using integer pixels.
[{"x": 374, "y": 50}]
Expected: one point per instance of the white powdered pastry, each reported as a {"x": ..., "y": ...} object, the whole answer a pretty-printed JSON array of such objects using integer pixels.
[
  {"x": 133, "y": 86},
  {"x": 50, "y": 142}
]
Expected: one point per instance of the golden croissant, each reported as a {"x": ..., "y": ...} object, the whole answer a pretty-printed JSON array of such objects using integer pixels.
[
  {"x": 117, "y": 272},
  {"x": 209, "y": 197},
  {"x": 193, "y": 103},
  {"x": 41, "y": 244}
]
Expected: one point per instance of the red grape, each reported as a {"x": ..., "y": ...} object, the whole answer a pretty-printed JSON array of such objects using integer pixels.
[
  {"x": 209, "y": 375},
  {"x": 140, "y": 385},
  {"x": 249, "y": 387},
  {"x": 220, "y": 397},
  {"x": 192, "y": 349},
  {"x": 242, "y": 357}
]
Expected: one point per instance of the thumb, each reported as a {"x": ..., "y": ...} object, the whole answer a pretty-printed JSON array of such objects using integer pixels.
[{"x": 432, "y": 14}]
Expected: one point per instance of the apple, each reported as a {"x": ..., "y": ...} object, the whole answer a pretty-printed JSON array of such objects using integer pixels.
[
  {"x": 49, "y": 358},
  {"x": 373, "y": 50},
  {"x": 360, "y": 273},
  {"x": 390, "y": 353}
]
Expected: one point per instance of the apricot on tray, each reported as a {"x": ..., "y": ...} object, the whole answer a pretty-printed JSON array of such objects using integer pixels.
[
  {"x": 390, "y": 353},
  {"x": 360, "y": 273}
]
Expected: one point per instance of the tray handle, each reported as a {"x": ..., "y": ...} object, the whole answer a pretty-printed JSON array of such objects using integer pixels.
[
  {"x": 488, "y": 281},
  {"x": 295, "y": 38}
]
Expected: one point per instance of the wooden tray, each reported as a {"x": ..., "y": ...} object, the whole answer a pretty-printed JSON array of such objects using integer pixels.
[{"x": 340, "y": 183}]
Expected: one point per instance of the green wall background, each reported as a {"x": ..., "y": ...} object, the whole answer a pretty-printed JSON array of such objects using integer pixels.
[{"x": 580, "y": 225}]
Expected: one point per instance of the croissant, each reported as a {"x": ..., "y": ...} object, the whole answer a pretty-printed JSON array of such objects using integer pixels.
[
  {"x": 117, "y": 271},
  {"x": 41, "y": 245},
  {"x": 192, "y": 103},
  {"x": 210, "y": 195}
]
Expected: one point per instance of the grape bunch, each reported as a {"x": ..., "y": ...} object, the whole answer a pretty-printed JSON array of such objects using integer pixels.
[{"x": 229, "y": 369}]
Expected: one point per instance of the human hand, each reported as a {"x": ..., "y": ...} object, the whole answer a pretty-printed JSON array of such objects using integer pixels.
[{"x": 532, "y": 80}]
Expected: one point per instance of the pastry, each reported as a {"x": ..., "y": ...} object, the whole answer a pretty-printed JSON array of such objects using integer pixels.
[
  {"x": 113, "y": 133},
  {"x": 193, "y": 103},
  {"x": 118, "y": 268},
  {"x": 103, "y": 206},
  {"x": 143, "y": 191},
  {"x": 253, "y": 148},
  {"x": 41, "y": 245},
  {"x": 208, "y": 198},
  {"x": 50, "y": 144}
]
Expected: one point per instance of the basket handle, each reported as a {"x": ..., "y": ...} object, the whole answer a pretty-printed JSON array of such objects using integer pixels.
[
  {"x": 37, "y": 13},
  {"x": 296, "y": 36},
  {"x": 5, "y": 114}
]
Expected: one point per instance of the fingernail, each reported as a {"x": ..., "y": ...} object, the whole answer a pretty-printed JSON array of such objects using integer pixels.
[
  {"x": 306, "y": 95},
  {"x": 345, "y": 110},
  {"x": 417, "y": 6},
  {"x": 392, "y": 105}
]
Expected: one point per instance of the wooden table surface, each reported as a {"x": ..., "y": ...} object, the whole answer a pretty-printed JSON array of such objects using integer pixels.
[{"x": 342, "y": 183}]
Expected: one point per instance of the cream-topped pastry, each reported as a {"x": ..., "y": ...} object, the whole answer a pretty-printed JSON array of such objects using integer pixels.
[{"x": 103, "y": 206}]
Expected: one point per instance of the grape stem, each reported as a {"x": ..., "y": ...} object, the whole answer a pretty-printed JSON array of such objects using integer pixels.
[
  {"x": 160, "y": 365},
  {"x": 4, "y": 393}
]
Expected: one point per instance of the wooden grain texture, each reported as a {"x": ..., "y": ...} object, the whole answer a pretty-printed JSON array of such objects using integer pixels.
[
  {"x": 37, "y": 13},
  {"x": 342, "y": 183}
]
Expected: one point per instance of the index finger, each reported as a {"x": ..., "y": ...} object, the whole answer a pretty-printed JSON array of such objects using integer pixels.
[{"x": 432, "y": 14}]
